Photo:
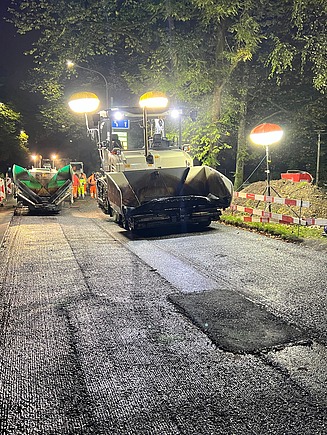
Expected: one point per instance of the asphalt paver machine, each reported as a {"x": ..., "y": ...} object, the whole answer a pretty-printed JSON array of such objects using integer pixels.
[
  {"x": 157, "y": 184},
  {"x": 42, "y": 189}
]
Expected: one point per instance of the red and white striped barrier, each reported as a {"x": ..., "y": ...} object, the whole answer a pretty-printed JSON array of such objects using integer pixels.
[
  {"x": 272, "y": 199},
  {"x": 305, "y": 222},
  {"x": 319, "y": 222},
  {"x": 9, "y": 186},
  {"x": 258, "y": 215},
  {"x": 267, "y": 216},
  {"x": 2, "y": 190}
]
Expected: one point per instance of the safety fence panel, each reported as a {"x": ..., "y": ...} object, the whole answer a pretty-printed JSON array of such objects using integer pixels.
[
  {"x": 9, "y": 186},
  {"x": 273, "y": 199},
  {"x": 2, "y": 190},
  {"x": 265, "y": 216},
  {"x": 258, "y": 215}
]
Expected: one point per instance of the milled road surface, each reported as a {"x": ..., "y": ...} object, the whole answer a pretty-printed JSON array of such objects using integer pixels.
[{"x": 91, "y": 344}]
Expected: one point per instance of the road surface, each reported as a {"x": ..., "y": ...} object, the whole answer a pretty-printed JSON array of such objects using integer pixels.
[{"x": 105, "y": 332}]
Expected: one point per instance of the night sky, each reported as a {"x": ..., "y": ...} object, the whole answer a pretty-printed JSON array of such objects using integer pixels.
[
  {"x": 14, "y": 67},
  {"x": 14, "y": 64}
]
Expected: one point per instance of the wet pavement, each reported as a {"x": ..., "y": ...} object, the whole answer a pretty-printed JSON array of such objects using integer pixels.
[{"x": 91, "y": 344}]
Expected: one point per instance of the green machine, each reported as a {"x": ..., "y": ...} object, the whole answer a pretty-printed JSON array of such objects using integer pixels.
[{"x": 42, "y": 189}]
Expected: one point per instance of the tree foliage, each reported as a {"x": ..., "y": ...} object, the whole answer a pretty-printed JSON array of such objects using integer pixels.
[
  {"x": 13, "y": 140},
  {"x": 305, "y": 45},
  {"x": 195, "y": 50}
]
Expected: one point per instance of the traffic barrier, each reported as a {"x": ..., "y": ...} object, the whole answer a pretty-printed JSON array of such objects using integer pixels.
[
  {"x": 258, "y": 215},
  {"x": 266, "y": 216},
  {"x": 273, "y": 199},
  {"x": 297, "y": 176},
  {"x": 2, "y": 190},
  {"x": 9, "y": 186}
]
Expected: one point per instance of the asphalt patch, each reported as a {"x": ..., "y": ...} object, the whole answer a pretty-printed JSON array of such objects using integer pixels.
[{"x": 235, "y": 324}]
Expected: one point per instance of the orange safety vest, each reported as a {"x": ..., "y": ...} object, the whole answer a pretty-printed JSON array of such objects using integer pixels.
[
  {"x": 91, "y": 180},
  {"x": 75, "y": 180}
]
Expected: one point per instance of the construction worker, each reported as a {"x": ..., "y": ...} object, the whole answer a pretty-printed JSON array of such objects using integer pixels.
[
  {"x": 85, "y": 182},
  {"x": 75, "y": 179},
  {"x": 82, "y": 184},
  {"x": 92, "y": 185}
]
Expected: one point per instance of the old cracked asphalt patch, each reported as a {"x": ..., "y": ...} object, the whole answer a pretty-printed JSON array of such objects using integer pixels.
[{"x": 236, "y": 324}]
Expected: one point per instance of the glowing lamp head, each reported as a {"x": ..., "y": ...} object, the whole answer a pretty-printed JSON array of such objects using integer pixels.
[
  {"x": 84, "y": 102},
  {"x": 117, "y": 115},
  {"x": 175, "y": 113},
  {"x": 153, "y": 100},
  {"x": 266, "y": 134},
  {"x": 70, "y": 64}
]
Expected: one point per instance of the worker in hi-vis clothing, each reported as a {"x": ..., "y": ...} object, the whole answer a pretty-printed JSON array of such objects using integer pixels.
[
  {"x": 81, "y": 187},
  {"x": 85, "y": 184},
  {"x": 75, "y": 185},
  {"x": 92, "y": 185}
]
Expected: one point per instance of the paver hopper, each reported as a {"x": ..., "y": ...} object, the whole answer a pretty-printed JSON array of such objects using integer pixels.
[
  {"x": 168, "y": 190},
  {"x": 42, "y": 189}
]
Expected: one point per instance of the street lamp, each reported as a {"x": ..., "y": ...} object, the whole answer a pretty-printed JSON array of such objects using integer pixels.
[
  {"x": 71, "y": 64},
  {"x": 54, "y": 156},
  {"x": 34, "y": 157},
  {"x": 37, "y": 158},
  {"x": 266, "y": 134},
  {"x": 150, "y": 100}
]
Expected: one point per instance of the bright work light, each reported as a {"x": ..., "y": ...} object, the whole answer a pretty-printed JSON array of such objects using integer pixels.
[
  {"x": 150, "y": 100},
  {"x": 153, "y": 100},
  {"x": 266, "y": 134},
  {"x": 83, "y": 102}
]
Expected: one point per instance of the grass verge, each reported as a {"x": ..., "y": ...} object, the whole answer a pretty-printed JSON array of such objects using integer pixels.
[{"x": 291, "y": 233}]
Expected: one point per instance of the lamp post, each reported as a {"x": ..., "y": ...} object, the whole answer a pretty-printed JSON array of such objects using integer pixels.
[
  {"x": 34, "y": 157},
  {"x": 37, "y": 158},
  {"x": 319, "y": 133},
  {"x": 54, "y": 156},
  {"x": 266, "y": 134},
  {"x": 71, "y": 64},
  {"x": 150, "y": 100}
]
